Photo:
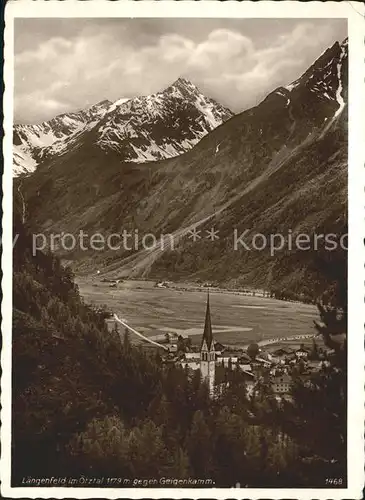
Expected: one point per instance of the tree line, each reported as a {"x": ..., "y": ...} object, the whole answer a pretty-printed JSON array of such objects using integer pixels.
[{"x": 86, "y": 401}]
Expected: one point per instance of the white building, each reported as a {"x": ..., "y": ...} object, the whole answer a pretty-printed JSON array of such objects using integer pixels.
[
  {"x": 189, "y": 356},
  {"x": 281, "y": 384},
  {"x": 226, "y": 360}
]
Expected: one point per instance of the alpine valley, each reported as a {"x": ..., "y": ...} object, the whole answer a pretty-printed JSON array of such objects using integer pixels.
[{"x": 176, "y": 160}]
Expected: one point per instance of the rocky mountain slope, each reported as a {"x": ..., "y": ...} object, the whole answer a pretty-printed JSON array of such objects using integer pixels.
[
  {"x": 31, "y": 142},
  {"x": 278, "y": 167},
  {"x": 161, "y": 125}
]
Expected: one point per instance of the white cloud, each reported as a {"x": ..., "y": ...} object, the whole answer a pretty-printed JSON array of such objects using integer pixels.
[{"x": 63, "y": 74}]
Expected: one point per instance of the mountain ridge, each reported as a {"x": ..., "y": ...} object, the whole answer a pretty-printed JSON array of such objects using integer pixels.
[
  {"x": 143, "y": 128},
  {"x": 29, "y": 140},
  {"x": 285, "y": 165}
]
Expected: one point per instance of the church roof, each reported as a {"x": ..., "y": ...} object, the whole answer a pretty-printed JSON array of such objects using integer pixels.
[{"x": 207, "y": 334}]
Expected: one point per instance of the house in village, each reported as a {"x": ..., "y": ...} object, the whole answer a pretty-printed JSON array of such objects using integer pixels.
[
  {"x": 281, "y": 384},
  {"x": 227, "y": 359},
  {"x": 283, "y": 353},
  {"x": 302, "y": 352}
]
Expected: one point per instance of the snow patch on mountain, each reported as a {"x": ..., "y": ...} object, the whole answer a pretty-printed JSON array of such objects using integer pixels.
[
  {"x": 32, "y": 143},
  {"x": 117, "y": 103},
  {"x": 339, "y": 90},
  {"x": 22, "y": 161},
  {"x": 293, "y": 85}
]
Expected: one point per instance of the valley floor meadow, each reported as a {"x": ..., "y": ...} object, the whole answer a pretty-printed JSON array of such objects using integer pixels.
[{"x": 237, "y": 318}]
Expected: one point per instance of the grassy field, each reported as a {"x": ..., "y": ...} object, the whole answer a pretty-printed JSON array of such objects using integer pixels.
[{"x": 236, "y": 319}]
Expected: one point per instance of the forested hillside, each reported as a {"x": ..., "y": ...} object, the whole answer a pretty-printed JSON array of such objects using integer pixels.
[{"x": 85, "y": 401}]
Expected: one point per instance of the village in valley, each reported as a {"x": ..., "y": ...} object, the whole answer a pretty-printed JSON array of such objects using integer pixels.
[
  {"x": 275, "y": 362},
  {"x": 177, "y": 202}
]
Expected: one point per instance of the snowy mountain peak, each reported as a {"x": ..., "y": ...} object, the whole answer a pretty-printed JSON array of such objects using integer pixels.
[
  {"x": 161, "y": 125},
  {"x": 184, "y": 85},
  {"x": 325, "y": 82},
  {"x": 345, "y": 43},
  {"x": 183, "y": 89},
  {"x": 143, "y": 128},
  {"x": 323, "y": 76},
  {"x": 183, "y": 82},
  {"x": 319, "y": 94}
]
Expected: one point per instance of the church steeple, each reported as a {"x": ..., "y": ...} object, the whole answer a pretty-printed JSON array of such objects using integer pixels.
[
  {"x": 207, "y": 352},
  {"x": 208, "y": 334}
]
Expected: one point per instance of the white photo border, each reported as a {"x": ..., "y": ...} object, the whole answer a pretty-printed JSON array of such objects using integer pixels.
[{"x": 354, "y": 13}]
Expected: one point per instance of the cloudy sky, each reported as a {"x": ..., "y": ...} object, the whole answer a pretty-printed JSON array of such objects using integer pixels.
[{"x": 63, "y": 65}]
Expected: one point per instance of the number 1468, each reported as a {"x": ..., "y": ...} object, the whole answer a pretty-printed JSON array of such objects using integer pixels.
[{"x": 334, "y": 481}]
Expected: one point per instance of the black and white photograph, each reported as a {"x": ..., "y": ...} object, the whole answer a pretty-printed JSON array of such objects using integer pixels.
[{"x": 180, "y": 192}]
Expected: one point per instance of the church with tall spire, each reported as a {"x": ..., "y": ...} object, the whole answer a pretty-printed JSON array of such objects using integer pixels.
[{"x": 207, "y": 352}]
